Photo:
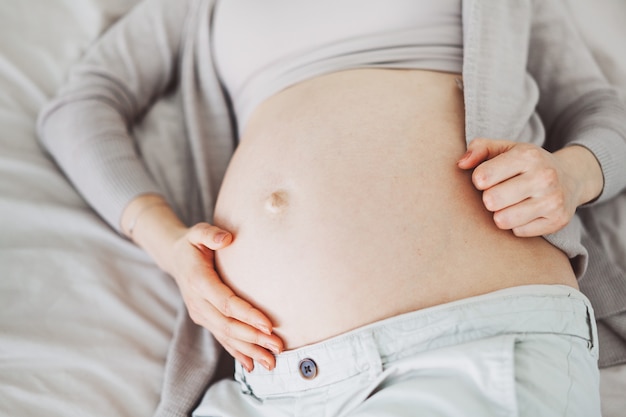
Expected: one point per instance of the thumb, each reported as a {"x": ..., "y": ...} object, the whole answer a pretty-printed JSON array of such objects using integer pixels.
[
  {"x": 205, "y": 234},
  {"x": 481, "y": 149}
]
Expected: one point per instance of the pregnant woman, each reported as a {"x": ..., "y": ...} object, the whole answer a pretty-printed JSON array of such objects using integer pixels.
[{"x": 362, "y": 258}]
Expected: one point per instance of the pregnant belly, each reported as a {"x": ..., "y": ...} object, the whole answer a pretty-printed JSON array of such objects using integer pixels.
[{"x": 347, "y": 207}]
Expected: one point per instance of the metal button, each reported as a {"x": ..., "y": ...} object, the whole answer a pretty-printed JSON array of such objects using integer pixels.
[{"x": 308, "y": 368}]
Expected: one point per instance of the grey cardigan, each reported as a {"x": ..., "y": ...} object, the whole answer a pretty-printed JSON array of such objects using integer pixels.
[{"x": 526, "y": 76}]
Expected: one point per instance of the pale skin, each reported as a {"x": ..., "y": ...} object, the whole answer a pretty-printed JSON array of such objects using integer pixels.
[
  {"x": 529, "y": 190},
  {"x": 186, "y": 253}
]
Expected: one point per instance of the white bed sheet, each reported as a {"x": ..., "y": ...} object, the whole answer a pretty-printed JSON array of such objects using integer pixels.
[{"x": 85, "y": 317}]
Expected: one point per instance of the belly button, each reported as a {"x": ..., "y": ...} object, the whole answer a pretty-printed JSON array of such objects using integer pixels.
[{"x": 277, "y": 202}]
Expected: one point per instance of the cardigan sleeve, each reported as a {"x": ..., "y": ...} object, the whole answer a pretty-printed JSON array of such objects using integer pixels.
[
  {"x": 577, "y": 104},
  {"x": 86, "y": 127}
]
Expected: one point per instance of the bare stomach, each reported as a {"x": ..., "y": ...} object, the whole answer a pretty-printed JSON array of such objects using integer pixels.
[{"x": 347, "y": 207}]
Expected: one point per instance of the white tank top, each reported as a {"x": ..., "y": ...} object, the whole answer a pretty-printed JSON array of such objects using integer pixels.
[{"x": 264, "y": 46}]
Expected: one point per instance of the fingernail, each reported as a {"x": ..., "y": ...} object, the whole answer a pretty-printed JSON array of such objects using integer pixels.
[
  {"x": 273, "y": 348},
  {"x": 265, "y": 364},
  {"x": 264, "y": 328},
  {"x": 465, "y": 156},
  {"x": 219, "y": 237}
]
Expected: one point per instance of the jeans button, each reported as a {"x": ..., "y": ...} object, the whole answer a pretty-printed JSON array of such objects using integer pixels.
[{"x": 308, "y": 368}]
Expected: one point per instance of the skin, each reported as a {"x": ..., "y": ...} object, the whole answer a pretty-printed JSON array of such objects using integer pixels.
[
  {"x": 187, "y": 253},
  {"x": 529, "y": 190}
]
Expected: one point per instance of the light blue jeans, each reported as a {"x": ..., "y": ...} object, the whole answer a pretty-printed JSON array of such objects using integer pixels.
[{"x": 524, "y": 351}]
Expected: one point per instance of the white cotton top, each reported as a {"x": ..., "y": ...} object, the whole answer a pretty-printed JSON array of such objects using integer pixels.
[{"x": 262, "y": 47}]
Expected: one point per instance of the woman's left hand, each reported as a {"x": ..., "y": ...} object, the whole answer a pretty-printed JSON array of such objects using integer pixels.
[{"x": 529, "y": 190}]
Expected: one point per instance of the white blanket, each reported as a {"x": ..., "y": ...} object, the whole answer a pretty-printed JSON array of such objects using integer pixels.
[{"x": 86, "y": 318}]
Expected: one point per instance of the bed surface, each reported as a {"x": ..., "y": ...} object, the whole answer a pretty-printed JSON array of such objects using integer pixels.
[{"x": 86, "y": 318}]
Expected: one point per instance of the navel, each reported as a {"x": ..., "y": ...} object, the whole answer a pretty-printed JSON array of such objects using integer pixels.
[{"x": 277, "y": 201}]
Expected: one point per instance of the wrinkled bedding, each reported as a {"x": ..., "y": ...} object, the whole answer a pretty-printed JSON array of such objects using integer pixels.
[{"x": 86, "y": 318}]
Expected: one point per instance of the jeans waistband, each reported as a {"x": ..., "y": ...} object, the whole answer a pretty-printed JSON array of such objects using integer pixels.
[{"x": 556, "y": 309}]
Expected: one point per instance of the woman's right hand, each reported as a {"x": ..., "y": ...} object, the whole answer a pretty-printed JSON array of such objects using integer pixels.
[
  {"x": 187, "y": 254},
  {"x": 244, "y": 331}
]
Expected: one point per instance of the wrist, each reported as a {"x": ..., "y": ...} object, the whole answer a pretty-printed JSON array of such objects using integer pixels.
[
  {"x": 583, "y": 168},
  {"x": 150, "y": 222}
]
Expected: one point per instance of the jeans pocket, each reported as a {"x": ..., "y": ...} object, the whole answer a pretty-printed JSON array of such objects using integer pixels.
[{"x": 468, "y": 379}]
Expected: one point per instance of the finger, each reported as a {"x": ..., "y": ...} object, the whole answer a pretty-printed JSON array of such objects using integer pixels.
[
  {"x": 482, "y": 149},
  {"x": 209, "y": 236},
  {"x": 538, "y": 227},
  {"x": 502, "y": 168},
  {"x": 517, "y": 215},
  {"x": 206, "y": 315},
  {"x": 533, "y": 217},
  {"x": 239, "y": 338},
  {"x": 509, "y": 193},
  {"x": 208, "y": 286},
  {"x": 234, "y": 329},
  {"x": 246, "y": 361},
  {"x": 255, "y": 352},
  {"x": 224, "y": 300}
]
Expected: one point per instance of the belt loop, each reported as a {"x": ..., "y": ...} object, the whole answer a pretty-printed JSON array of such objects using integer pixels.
[{"x": 372, "y": 362}]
